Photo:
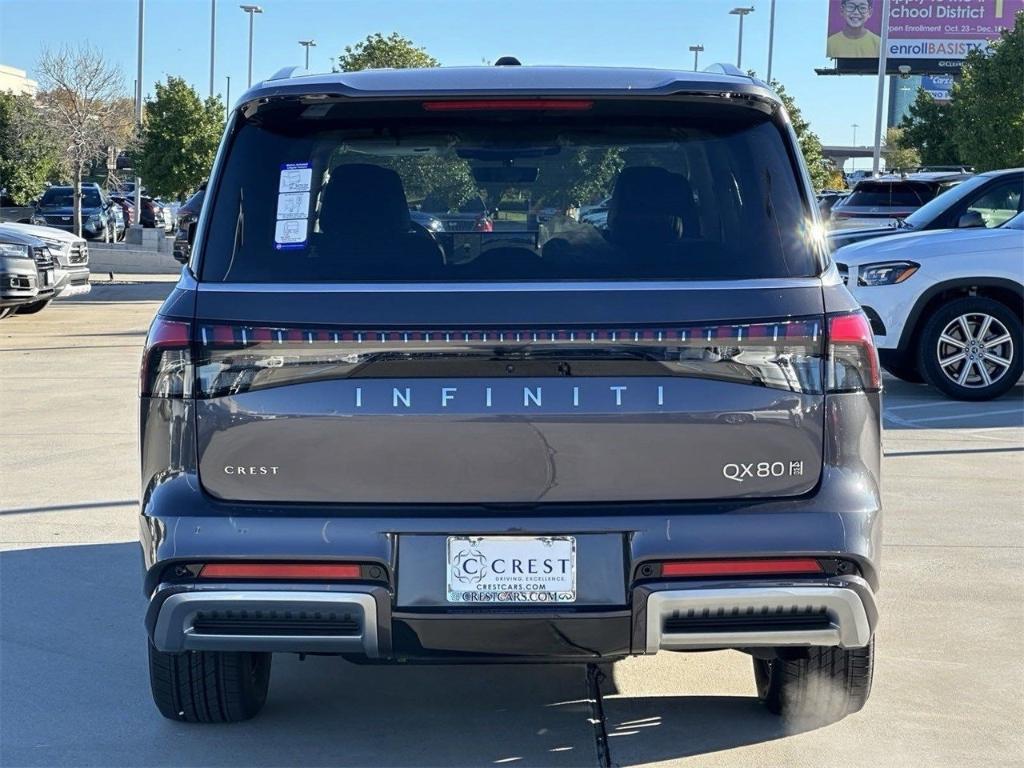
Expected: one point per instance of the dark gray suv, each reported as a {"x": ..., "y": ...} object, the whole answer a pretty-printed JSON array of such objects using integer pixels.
[{"x": 541, "y": 442}]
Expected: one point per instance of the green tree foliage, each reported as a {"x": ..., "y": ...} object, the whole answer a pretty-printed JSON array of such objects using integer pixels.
[
  {"x": 898, "y": 154},
  {"x": 928, "y": 128},
  {"x": 988, "y": 103},
  {"x": 379, "y": 52},
  {"x": 29, "y": 155},
  {"x": 179, "y": 139}
]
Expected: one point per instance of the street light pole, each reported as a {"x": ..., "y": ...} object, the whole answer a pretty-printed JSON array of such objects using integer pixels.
[
  {"x": 307, "y": 44},
  {"x": 877, "y": 161},
  {"x": 697, "y": 49},
  {"x": 741, "y": 12},
  {"x": 227, "y": 101},
  {"x": 213, "y": 39},
  {"x": 138, "y": 112},
  {"x": 853, "y": 160},
  {"x": 771, "y": 39},
  {"x": 252, "y": 10}
]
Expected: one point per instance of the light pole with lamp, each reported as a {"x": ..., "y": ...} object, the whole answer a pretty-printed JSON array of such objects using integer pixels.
[
  {"x": 252, "y": 10},
  {"x": 697, "y": 50},
  {"x": 771, "y": 40},
  {"x": 213, "y": 39},
  {"x": 307, "y": 44},
  {"x": 853, "y": 160},
  {"x": 138, "y": 120},
  {"x": 741, "y": 12}
]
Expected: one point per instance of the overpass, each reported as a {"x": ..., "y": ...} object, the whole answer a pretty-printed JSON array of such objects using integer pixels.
[{"x": 839, "y": 154}]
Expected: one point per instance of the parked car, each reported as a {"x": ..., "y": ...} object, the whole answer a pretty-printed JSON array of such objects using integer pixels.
[
  {"x": 26, "y": 271},
  {"x": 127, "y": 208},
  {"x": 355, "y": 444},
  {"x": 886, "y": 201},
  {"x": 152, "y": 212},
  {"x": 601, "y": 207},
  {"x": 56, "y": 209},
  {"x": 70, "y": 255},
  {"x": 188, "y": 217},
  {"x": 988, "y": 200},
  {"x": 431, "y": 223},
  {"x": 10, "y": 211},
  {"x": 471, "y": 216},
  {"x": 827, "y": 199},
  {"x": 945, "y": 305},
  {"x": 120, "y": 223}
]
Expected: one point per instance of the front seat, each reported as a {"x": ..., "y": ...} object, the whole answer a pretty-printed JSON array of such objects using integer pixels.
[
  {"x": 651, "y": 207},
  {"x": 364, "y": 220}
]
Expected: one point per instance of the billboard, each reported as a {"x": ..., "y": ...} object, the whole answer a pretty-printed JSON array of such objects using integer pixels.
[{"x": 929, "y": 36}]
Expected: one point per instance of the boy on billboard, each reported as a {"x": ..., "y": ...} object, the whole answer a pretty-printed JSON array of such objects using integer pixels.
[{"x": 854, "y": 40}]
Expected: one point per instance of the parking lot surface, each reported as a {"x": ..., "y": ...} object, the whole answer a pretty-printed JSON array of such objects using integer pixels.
[{"x": 73, "y": 681}]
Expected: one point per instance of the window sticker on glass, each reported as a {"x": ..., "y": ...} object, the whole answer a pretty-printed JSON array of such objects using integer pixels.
[{"x": 292, "y": 226}]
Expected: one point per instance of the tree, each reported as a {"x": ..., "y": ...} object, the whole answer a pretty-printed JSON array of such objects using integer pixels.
[
  {"x": 898, "y": 154},
  {"x": 928, "y": 128},
  {"x": 84, "y": 100},
  {"x": 379, "y": 52},
  {"x": 29, "y": 155},
  {"x": 179, "y": 139},
  {"x": 988, "y": 103}
]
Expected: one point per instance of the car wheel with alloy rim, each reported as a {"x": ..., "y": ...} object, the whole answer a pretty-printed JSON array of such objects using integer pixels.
[{"x": 971, "y": 349}]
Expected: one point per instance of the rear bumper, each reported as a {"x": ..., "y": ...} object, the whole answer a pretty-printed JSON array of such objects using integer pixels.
[{"x": 358, "y": 620}]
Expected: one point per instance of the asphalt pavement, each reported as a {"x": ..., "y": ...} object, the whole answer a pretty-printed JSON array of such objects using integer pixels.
[{"x": 949, "y": 684}]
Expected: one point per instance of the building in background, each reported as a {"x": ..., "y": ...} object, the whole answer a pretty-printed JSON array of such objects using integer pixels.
[{"x": 14, "y": 80}]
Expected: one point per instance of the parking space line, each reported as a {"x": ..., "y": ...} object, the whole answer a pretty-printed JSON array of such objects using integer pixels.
[{"x": 972, "y": 414}]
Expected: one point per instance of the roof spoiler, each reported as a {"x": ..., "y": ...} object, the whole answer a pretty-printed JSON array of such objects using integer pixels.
[{"x": 725, "y": 69}]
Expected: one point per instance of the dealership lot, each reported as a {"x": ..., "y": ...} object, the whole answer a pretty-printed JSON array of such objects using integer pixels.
[{"x": 74, "y": 690}]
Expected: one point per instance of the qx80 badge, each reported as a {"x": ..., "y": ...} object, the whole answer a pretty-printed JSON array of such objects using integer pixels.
[{"x": 741, "y": 472}]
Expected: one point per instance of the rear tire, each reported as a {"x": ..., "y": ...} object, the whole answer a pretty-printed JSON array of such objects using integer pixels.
[
  {"x": 982, "y": 334},
  {"x": 823, "y": 688},
  {"x": 209, "y": 686}
]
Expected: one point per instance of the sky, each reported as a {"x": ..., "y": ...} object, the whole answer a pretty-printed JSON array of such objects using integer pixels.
[{"x": 646, "y": 33}]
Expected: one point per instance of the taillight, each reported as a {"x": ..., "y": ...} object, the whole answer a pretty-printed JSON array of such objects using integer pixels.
[
  {"x": 752, "y": 567},
  {"x": 317, "y": 571},
  {"x": 483, "y": 224},
  {"x": 852, "y": 357},
  {"x": 167, "y": 360}
]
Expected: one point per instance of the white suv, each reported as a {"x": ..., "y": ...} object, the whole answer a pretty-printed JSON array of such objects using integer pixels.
[{"x": 945, "y": 305}]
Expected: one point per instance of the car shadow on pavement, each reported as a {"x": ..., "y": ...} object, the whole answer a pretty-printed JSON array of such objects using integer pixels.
[
  {"x": 919, "y": 406},
  {"x": 105, "y": 293},
  {"x": 74, "y": 690},
  {"x": 650, "y": 729}
]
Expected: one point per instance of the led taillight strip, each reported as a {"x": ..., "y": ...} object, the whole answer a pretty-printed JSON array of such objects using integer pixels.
[{"x": 239, "y": 335}]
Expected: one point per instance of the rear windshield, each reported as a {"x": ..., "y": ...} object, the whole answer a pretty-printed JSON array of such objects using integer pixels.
[
  {"x": 890, "y": 194},
  {"x": 412, "y": 192},
  {"x": 65, "y": 198}
]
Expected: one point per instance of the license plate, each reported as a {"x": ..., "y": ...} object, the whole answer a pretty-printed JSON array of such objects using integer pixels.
[{"x": 530, "y": 570}]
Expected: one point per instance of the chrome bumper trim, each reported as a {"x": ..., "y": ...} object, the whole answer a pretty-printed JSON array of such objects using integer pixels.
[
  {"x": 848, "y": 617},
  {"x": 174, "y": 631}
]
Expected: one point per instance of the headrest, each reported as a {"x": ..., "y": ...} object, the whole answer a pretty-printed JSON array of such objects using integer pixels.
[
  {"x": 651, "y": 205},
  {"x": 364, "y": 200}
]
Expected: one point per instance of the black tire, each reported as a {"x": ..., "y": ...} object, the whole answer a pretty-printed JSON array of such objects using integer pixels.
[
  {"x": 208, "y": 686},
  {"x": 31, "y": 309},
  {"x": 973, "y": 308},
  {"x": 823, "y": 688}
]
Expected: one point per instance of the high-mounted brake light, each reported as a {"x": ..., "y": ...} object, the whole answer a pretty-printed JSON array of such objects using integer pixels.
[
  {"x": 318, "y": 571},
  {"x": 167, "y": 360},
  {"x": 477, "y": 105},
  {"x": 852, "y": 357},
  {"x": 757, "y": 567}
]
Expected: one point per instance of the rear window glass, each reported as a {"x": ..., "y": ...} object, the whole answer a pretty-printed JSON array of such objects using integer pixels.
[
  {"x": 896, "y": 195},
  {"x": 399, "y": 192}
]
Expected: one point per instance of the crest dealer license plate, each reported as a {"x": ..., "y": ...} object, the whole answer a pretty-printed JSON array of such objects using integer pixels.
[{"x": 507, "y": 570}]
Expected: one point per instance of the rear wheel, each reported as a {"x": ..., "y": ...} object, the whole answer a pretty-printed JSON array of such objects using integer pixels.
[
  {"x": 971, "y": 349},
  {"x": 209, "y": 686},
  {"x": 821, "y": 688}
]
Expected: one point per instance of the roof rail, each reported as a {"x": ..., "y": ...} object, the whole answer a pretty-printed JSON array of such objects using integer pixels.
[
  {"x": 284, "y": 73},
  {"x": 725, "y": 69}
]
